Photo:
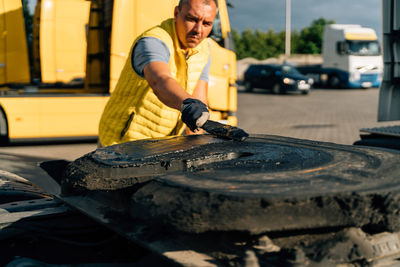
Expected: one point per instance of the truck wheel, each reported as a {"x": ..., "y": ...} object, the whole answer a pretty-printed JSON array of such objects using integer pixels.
[
  {"x": 275, "y": 184},
  {"x": 334, "y": 81},
  {"x": 300, "y": 193},
  {"x": 266, "y": 183},
  {"x": 248, "y": 86},
  {"x": 3, "y": 128},
  {"x": 305, "y": 92},
  {"x": 276, "y": 89}
]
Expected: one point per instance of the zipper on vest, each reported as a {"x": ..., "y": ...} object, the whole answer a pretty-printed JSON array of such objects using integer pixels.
[{"x": 127, "y": 125}]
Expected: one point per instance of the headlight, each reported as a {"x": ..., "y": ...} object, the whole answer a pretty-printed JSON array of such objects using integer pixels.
[
  {"x": 355, "y": 76},
  {"x": 288, "y": 81},
  {"x": 310, "y": 81},
  {"x": 380, "y": 76}
]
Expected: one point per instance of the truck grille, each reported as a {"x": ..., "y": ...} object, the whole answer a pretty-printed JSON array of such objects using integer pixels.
[{"x": 369, "y": 77}]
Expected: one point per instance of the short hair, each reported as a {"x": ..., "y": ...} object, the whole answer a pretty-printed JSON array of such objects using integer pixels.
[{"x": 184, "y": 2}]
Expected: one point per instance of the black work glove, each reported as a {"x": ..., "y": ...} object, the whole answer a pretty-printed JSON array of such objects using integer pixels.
[{"x": 194, "y": 113}]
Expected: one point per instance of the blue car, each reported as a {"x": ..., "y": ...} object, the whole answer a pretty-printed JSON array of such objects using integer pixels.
[{"x": 278, "y": 78}]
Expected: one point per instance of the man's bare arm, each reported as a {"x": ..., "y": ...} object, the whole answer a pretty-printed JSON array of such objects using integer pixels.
[
  {"x": 169, "y": 91},
  {"x": 165, "y": 87},
  {"x": 201, "y": 91}
]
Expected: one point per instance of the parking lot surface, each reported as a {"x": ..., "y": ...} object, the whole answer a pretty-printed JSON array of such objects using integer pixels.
[{"x": 324, "y": 115}]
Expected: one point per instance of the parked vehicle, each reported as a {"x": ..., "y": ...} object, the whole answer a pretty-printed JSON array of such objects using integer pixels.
[
  {"x": 278, "y": 78},
  {"x": 78, "y": 51},
  {"x": 352, "y": 58}
]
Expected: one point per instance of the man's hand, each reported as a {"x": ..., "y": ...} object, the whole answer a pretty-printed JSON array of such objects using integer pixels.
[{"x": 194, "y": 113}]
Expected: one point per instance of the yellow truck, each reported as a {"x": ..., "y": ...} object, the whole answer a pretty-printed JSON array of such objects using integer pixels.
[{"x": 77, "y": 52}]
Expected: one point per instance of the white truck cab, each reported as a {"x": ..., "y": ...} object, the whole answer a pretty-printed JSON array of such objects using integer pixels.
[{"x": 353, "y": 52}]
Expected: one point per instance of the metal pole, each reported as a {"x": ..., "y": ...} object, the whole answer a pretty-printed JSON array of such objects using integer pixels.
[{"x": 288, "y": 30}]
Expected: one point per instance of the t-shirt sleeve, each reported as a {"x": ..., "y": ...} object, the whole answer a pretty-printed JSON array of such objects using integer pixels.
[
  {"x": 146, "y": 50},
  {"x": 206, "y": 71}
]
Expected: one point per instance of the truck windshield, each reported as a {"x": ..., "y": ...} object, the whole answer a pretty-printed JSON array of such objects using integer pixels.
[
  {"x": 363, "y": 48},
  {"x": 216, "y": 32}
]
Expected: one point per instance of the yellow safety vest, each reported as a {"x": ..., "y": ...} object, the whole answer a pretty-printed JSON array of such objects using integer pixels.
[{"x": 133, "y": 110}]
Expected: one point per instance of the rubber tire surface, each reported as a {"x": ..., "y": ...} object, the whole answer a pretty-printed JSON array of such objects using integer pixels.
[
  {"x": 15, "y": 188},
  {"x": 276, "y": 184},
  {"x": 276, "y": 89},
  {"x": 267, "y": 183},
  {"x": 248, "y": 87},
  {"x": 334, "y": 81}
]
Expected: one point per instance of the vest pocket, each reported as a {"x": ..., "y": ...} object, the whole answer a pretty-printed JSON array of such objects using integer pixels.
[{"x": 127, "y": 125}]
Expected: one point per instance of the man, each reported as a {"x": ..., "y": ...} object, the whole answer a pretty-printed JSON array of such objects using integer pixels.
[{"x": 165, "y": 78}]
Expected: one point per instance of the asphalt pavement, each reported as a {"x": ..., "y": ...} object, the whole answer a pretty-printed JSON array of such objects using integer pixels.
[
  {"x": 322, "y": 115},
  {"x": 329, "y": 115}
]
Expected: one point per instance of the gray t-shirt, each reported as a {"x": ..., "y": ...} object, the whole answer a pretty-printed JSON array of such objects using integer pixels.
[{"x": 149, "y": 49}]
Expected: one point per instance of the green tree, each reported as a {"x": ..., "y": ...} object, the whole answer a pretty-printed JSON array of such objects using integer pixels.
[
  {"x": 262, "y": 45},
  {"x": 275, "y": 43},
  {"x": 238, "y": 43},
  {"x": 258, "y": 44},
  {"x": 310, "y": 39}
]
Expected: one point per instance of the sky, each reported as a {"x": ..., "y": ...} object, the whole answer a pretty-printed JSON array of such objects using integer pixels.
[
  {"x": 266, "y": 14},
  {"x": 270, "y": 14}
]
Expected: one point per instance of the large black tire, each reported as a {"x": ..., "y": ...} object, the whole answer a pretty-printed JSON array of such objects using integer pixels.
[
  {"x": 3, "y": 128},
  {"x": 334, "y": 81},
  {"x": 266, "y": 183},
  {"x": 275, "y": 184},
  {"x": 248, "y": 87},
  {"x": 305, "y": 92},
  {"x": 276, "y": 89}
]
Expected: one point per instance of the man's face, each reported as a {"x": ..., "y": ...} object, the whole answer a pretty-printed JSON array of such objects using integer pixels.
[{"x": 194, "y": 22}]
